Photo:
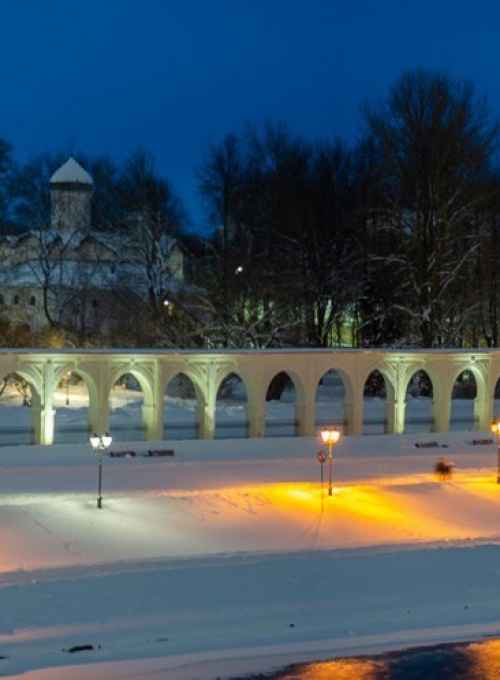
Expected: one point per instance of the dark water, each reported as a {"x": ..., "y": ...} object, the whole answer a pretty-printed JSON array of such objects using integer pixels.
[{"x": 472, "y": 661}]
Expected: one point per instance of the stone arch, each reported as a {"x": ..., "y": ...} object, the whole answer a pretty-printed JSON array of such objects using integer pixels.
[
  {"x": 41, "y": 425},
  {"x": 134, "y": 418},
  {"x": 35, "y": 379},
  {"x": 204, "y": 399},
  {"x": 496, "y": 398},
  {"x": 82, "y": 371},
  {"x": 283, "y": 418},
  {"x": 333, "y": 396},
  {"x": 419, "y": 400},
  {"x": 181, "y": 398},
  {"x": 231, "y": 418},
  {"x": 464, "y": 397},
  {"x": 15, "y": 401},
  {"x": 378, "y": 397},
  {"x": 71, "y": 424},
  {"x": 140, "y": 373}
]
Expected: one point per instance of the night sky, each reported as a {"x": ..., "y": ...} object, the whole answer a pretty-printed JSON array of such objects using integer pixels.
[{"x": 172, "y": 76}]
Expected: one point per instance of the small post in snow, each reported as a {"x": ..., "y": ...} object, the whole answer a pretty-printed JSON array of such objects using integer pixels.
[
  {"x": 321, "y": 460},
  {"x": 495, "y": 429}
]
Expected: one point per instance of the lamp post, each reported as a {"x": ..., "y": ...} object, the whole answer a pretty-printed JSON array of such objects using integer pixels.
[
  {"x": 100, "y": 444},
  {"x": 495, "y": 428},
  {"x": 330, "y": 437},
  {"x": 68, "y": 375}
]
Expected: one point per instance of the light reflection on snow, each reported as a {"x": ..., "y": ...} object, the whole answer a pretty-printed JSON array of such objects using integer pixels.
[
  {"x": 475, "y": 661},
  {"x": 342, "y": 669}
]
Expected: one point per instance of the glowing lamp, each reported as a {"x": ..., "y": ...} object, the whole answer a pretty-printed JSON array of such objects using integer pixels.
[
  {"x": 106, "y": 440},
  {"x": 330, "y": 437}
]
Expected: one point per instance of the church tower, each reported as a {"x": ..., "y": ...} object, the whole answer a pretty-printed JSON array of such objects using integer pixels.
[{"x": 71, "y": 196}]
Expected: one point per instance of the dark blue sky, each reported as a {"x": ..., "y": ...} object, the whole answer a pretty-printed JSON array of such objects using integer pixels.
[{"x": 171, "y": 76}]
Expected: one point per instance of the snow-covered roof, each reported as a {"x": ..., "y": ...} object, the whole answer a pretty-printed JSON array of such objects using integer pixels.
[
  {"x": 71, "y": 172},
  {"x": 80, "y": 274}
]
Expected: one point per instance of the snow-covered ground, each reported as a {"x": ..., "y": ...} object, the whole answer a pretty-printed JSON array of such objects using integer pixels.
[{"x": 229, "y": 557}]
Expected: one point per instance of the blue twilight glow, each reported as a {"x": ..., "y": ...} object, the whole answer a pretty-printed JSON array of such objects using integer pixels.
[{"x": 171, "y": 76}]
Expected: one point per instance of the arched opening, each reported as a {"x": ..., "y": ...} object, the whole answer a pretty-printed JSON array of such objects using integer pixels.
[
  {"x": 231, "y": 408},
  {"x": 281, "y": 397},
  {"x": 463, "y": 394},
  {"x": 71, "y": 403},
  {"x": 16, "y": 423},
  {"x": 496, "y": 401},
  {"x": 329, "y": 401},
  {"x": 180, "y": 409},
  {"x": 419, "y": 396},
  {"x": 125, "y": 409},
  {"x": 374, "y": 404}
]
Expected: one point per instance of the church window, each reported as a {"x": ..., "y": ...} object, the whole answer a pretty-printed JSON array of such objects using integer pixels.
[
  {"x": 32, "y": 300},
  {"x": 2, "y": 301},
  {"x": 16, "y": 299}
]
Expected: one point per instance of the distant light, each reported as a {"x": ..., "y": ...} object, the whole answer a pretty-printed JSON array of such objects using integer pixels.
[
  {"x": 166, "y": 302},
  {"x": 238, "y": 270}
]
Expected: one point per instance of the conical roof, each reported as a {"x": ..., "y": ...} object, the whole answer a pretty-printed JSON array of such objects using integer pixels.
[{"x": 71, "y": 172}]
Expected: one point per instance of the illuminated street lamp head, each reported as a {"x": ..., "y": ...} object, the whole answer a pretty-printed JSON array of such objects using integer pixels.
[
  {"x": 330, "y": 435},
  {"x": 106, "y": 440},
  {"x": 99, "y": 443},
  {"x": 495, "y": 427}
]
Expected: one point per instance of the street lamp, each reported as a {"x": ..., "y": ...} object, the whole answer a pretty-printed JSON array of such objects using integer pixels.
[
  {"x": 330, "y": 437},
  {"x": 100, "y": 444},
  {"x": 68, "y": 375},
  {"x": 495, "y": 428}
]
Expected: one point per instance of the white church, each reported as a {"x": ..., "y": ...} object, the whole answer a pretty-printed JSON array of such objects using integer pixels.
[{"x": 69, "y": 274}]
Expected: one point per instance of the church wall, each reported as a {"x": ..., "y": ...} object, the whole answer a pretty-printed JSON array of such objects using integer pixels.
[
  {"x": 71, "y": 208},
  {"x": 23, "y": 305}
]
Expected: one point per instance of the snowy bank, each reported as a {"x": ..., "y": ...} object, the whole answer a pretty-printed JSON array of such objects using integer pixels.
[{"x": 228, "y": 551}]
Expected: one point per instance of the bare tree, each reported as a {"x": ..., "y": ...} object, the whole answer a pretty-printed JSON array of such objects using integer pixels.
[
  {"x": 147, "y": 237},
  {"x": 435, "y": 142},
  {"x": 282, "y": 265}
]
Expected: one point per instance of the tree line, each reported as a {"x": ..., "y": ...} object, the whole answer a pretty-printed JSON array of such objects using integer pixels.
[{"x": 392, "y": 242}]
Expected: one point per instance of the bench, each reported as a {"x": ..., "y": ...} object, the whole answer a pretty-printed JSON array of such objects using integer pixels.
[
  {"x": 157, "y": 453},
  {"x": 426, "y": 445},
  {"x": 122, "y": 454},
  {"x": 481, "y": 442}
]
